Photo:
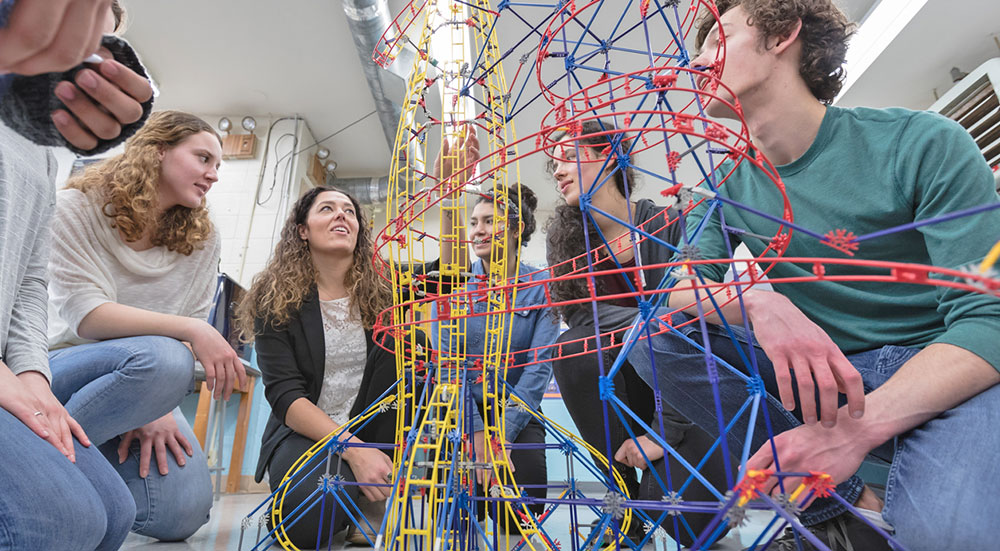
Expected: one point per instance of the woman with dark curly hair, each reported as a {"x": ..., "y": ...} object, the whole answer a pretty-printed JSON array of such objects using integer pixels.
[
  {"x": 132, "y": 276},
  {"x": 311, "y": 313},
  {"x": 529, "y": 333},
  {"x": 580, "y": 168}
]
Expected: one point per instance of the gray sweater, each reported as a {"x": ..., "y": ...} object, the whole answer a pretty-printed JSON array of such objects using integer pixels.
[{"x": 27, "y": 199}]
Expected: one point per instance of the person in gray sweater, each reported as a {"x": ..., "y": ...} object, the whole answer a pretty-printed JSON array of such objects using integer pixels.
[{"x": 59, "y": 492}]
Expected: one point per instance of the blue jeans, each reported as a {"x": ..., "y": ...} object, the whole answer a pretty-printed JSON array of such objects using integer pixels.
[
  {"x": 942, "y": 488},
  {"x": 47, "y": 502},
  {"x": 114, "y": 386}
]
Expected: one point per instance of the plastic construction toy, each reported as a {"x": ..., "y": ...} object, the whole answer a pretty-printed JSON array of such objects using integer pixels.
[{"x": 624, "y": 65}]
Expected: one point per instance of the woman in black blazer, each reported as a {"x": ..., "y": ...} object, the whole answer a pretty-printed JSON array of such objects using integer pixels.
[{"x": 311, "y": 312}]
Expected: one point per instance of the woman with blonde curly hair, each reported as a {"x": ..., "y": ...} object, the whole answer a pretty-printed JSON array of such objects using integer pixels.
[
  {"x": 133, "y": 270},
  {"x": 311, "y": 312}
]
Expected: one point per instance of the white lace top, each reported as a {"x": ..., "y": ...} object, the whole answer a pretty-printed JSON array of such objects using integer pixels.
[{"x": 346, "y": 353}]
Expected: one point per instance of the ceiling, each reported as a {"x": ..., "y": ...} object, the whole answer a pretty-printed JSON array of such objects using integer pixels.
[
  {"x": 917, "y": 64},
  {"x": 262, "y": 57},
  {"x": 254, "y": 57}
]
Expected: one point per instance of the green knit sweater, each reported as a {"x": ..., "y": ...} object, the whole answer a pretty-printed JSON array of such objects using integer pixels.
[{"x": 868, "y": 170}]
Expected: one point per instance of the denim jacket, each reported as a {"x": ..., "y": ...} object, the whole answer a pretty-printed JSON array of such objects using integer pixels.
[{"x": 528, "y": 329}]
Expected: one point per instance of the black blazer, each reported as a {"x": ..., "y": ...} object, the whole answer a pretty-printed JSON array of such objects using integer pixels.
[{"x": 292, "y": 361}]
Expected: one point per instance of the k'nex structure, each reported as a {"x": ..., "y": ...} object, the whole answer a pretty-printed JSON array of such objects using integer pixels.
[{"x": 624, "y": 66}]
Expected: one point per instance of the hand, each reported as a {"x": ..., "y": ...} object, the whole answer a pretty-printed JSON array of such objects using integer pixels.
[
  {"x": 102, "y": 99},
  {"x": 630, "y": 455},
  {"x": 47, "y": 36},
  {"x": 371, "y": 466},
  {"x": 64, "y": 427},
  {"x": 483, "y": 476},
  {"x": 156, "y": 437},
  {"x": 836, "y": 451},
  {"x": 29, "y": 393},
  {"x": 445, "y": 165},
  {"x": 794, "y": 343},
  {"x": 222, "y": 366}
]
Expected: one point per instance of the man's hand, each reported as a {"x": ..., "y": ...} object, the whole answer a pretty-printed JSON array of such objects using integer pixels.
[
  {"x": 102, "y": 99},
  {"x": 837, "y": 451},
  {"x": 630, "y": 455},
  {"x": 223, "y": 368},
  {"x": 371, "y": 466},
  {"x": 156, "y": 437},
  {"x": 47, "y": 36},
  {"x": 795, "y": 344}
]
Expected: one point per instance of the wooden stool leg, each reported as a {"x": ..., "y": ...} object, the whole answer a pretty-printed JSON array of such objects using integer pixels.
[
  {"x": 201, "y": 416},
  {"x": 240, "y": 438}
]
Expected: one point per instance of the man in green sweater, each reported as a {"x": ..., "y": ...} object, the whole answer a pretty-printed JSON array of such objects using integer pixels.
[{"x": 906, "y": 372}]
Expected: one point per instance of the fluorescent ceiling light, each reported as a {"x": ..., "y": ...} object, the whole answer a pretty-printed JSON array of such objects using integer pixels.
[{"x": 877, "y": 31}]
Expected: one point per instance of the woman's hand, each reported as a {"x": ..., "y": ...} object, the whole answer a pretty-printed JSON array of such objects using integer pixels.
[
  {"x": 102, "y": 99},
  {"x": 29, "y": 398},
  {"x": 222, "y": 366},
  {"x": 370, "y": 466},
  {"x": 156, "y": 437},
  {"x": 483, "y": 476},
  {"x": 629, "y": 453},
  {"x": 464, "y": 161}
]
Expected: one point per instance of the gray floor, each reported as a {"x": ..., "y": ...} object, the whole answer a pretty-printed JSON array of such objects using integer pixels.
[{"x": 222, "y": 533}]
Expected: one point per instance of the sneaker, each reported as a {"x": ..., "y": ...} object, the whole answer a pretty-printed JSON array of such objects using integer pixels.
[{"x": 841, "y": 533}]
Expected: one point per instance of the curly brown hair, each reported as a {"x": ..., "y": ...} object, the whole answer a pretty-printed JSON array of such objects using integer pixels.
[
  {"x": 564, "y": 230},
  {"x": 128, "y": 184},
  {"x": 523, "y": 214},
  {"x": 290, "y": 275},
  {"x": 824, "y": 35}
]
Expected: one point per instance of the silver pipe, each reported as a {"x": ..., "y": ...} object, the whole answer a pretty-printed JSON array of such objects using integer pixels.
[
  {"x": 367, "y": 191},
  {"x": 368, "y": 19}
]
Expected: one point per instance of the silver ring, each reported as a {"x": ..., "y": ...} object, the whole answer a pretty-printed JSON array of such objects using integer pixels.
[{"x": 39, "y": 413}]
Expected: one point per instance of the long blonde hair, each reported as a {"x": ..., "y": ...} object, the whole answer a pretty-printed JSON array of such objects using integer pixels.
[
  {"x": 280, "y": 289},
  {"x": 127, "y": 184}
]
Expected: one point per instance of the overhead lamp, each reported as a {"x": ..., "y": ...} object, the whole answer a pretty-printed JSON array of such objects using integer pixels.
[
  {"x": 331, "y": 166},
  {"x": 322, "y": 153},
  {"x": 238, "y": 146},
  {"x": 248, "y": 123}
]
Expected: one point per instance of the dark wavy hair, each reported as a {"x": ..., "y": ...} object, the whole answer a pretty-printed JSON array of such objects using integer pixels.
[
  {"x": 518, "y": 213},
  {"x": 290, "y": 274},
  {"x": 825, "y": 32},
  {"x": 564, "y": 230}
]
